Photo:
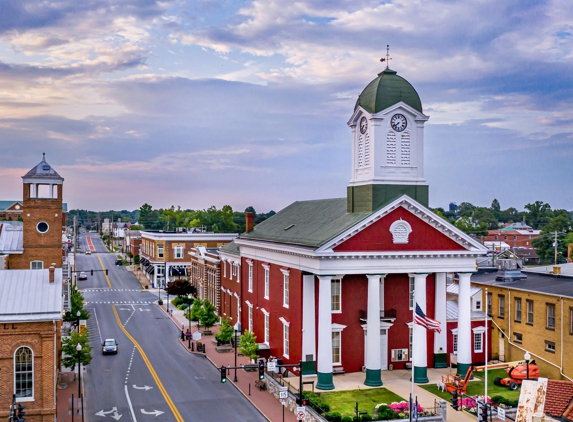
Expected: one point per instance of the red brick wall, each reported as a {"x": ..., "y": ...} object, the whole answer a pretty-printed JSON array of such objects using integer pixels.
[{"x": 39, "y": 336}]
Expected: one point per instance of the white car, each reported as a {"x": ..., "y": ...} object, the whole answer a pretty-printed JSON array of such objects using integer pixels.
[{"x": 83, "y": 276}]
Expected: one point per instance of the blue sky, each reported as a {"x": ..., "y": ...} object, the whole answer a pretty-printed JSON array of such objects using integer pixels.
[{"x": 212, "y": 102}]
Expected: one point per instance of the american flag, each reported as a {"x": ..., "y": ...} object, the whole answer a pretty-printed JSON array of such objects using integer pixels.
[{"x": 421, "y": 319}]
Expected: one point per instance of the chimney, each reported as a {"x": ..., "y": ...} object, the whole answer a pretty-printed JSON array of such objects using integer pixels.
[
  {"x": 52, "y": 269},
  {"x": 249, "y": 221}
]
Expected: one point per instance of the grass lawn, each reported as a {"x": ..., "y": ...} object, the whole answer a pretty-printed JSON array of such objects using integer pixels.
[
  {"x": 344, "y": 402},
  {"x": 476, "y": 387}
]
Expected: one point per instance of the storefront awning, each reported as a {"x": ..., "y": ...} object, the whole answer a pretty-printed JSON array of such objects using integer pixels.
[
  {"x": 150, "y": 269},
  {"x": 177, "y": 271}
]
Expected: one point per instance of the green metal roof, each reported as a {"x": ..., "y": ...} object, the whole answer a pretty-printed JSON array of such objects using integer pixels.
[
  {"x": 385, "y": 91},
  {"x": 5, "y": 204},
  {"x": 307, "y": 223},
  {"x": 231, "y": 248}
]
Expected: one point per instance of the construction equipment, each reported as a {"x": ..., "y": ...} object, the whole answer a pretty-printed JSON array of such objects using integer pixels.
[
  {"x": 516, "y": 375},
  {"x": 516, "y": 372}
]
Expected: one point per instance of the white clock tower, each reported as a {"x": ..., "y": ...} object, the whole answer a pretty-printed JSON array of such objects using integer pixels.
[{"x": 387, "y": 144}]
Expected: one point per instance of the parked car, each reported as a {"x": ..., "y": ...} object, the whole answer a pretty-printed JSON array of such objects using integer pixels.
[
  {"x": 88, "y": 252},
  {"x": 83, "y": 276},
  {"x": 109, "y": 346},
  {"x": 118, "y": 262}
]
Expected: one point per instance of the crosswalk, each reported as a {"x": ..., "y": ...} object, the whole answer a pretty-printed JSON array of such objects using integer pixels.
[
  {"x": 104, "y": 289},
  {"x": 93, "y": 327},
  {"x": 123, "y": 302}
]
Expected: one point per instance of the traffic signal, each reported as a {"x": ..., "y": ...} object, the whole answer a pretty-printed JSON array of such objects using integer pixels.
[
  {"x": 261, "y": 370},
  {"x": 223, "y": 374},
  {"x": 455, "y": 399},
  {"x": 92, "y": 273},
  {"x": 301, "y": 400},
  {"x": 21, "y": 413}
]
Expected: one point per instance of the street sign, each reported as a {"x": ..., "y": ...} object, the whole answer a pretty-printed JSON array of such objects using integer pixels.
[
  {"x": 501, "y": 413},
  {"x": 283, "y": 394},
  {"x": 271, "y": 366},
  {"x": 196, "y": 336},
  {"x": 300, "y": 413}
]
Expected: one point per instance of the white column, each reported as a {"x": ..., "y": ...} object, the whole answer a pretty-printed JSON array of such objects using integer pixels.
[
  {"x": 440, "y": 339},
  {"x": 464, "y": 356},
  {"x": 155, "y": 276},
  {"x": 324, "y": 334},
  {"x": 308, "y": 317},
  {"x": 372, "y": 361},
  {"x": 420, "y": 349},
  {"x": 166, "y": 273}
]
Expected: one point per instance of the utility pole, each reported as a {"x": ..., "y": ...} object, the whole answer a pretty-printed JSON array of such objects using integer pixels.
[{"x": 555, "y": 245}]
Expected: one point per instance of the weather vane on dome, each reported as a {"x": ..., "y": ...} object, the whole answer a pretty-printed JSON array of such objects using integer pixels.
[{"x": 387, "y": 58}]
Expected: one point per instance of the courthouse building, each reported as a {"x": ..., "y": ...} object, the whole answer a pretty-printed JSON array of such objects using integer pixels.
[{"x": 334, "y": 282}]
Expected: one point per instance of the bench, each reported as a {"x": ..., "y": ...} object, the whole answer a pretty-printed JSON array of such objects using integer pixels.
[
  {"x": 337, "y": 370},
  {"x": 261, "y": 385}
]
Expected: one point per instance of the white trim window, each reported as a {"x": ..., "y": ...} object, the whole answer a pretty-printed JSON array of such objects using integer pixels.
[
  {"x": 336, "y": 348},
  {"x": 267, "y": 328},
  {"x": 250, "y": 286},
  {"x": 250, "y": 315},
  {"x": 24, "y": 374},
  {"x": 267, "y": 280},
  {"x": 286, "y": 339},
  {"x": 478, "y": 342},
  {"x": 412, "y": 284},
  {"x": 455, "y": 343},
  {"x": 36, "y": 265},
  {"x": 224, "y": 268},
  {"x": 336, "y": 296},
  {"x": 160, "y": 251},
  {"x": 178, "y": 252},
  {"x": 286, "y": 287}
]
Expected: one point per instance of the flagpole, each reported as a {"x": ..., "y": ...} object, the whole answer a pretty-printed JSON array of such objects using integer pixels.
[
  {"x": 412, "y": 357},
  {"x": 486, "y": 344}
]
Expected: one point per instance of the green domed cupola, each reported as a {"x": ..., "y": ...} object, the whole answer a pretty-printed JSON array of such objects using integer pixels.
[{"x": 385, "y": 91}]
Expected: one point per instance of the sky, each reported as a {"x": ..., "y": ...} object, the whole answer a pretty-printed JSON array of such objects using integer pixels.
[{"x": 195, "y": 103}]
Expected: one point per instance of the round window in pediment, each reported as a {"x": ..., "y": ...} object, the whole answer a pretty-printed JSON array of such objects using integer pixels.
[{"x": 42, "y": 227}]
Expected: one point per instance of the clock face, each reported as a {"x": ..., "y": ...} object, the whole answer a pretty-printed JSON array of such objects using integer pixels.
[
  {"x": 398, "y": 122},
  {"x": 363, "y": 125}
]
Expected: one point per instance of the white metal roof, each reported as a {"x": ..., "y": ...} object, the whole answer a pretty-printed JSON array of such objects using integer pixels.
[
  {"x": 454, "y": 288},
  {"x": 28, "y": 295},
  {"x": 452, "y": 312},
  {"x": 11, "y": 238}
]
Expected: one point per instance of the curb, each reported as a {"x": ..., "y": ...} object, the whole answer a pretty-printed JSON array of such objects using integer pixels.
[{"x": 213, "y": 363}]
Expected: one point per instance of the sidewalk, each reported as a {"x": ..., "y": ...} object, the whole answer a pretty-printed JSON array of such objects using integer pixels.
[
  {"x": 270, "y": 407},
  {"x": 67, "y": 387}
]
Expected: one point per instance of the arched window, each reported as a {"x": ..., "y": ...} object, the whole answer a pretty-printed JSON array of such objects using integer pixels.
[{"x": 24, "y": 372}]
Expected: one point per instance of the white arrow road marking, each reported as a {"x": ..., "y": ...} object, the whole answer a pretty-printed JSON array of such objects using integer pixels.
[
  {"x": 116, "y": 416},
  {"x": 103, "y": 413},
  {"x": 145, "y": 387},
  {"x": 155, "y": 412},
  {"x": 124, "y": 309}
]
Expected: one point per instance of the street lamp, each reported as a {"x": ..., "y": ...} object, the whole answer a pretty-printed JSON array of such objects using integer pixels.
[
  {"x": 527, "y": 357},
  {"x": 79, "y": 349},
  {"x": 237, "y": 329},
  {"x": 78, "y": 315}
]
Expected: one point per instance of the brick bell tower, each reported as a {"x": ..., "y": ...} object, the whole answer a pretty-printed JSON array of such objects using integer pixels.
[{"x": 42, "y": 237}]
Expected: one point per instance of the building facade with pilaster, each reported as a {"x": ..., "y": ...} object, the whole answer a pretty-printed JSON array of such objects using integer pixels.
[{"x": 334, "y": 282}]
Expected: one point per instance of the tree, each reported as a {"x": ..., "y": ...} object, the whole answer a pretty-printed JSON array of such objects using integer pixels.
[
  {"x": 226, "y": 332},
  {"x": 544, "y": 245},
  {"x": 69, "y": 345},
  {"x": 180, "y": 287},
  {"x": 486, "y": 216},
  {"x": 195, "y": 311},
  {"x": 465, "y": 209},
  {"x": 208, "y": 317},
  {"x": 77, "y": 301},
  {"x": 539, "y": 214},
  {"x": 249, "y": 346}
]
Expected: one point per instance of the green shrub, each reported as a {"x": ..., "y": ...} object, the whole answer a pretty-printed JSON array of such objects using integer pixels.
[
  {"x": 346, "y": 419},
  {"x": 366, "y": 417},
  {"x": 182, "y": 306},
  {"x": 177, "y": 301},
  {"x": 332, "y": 417}
]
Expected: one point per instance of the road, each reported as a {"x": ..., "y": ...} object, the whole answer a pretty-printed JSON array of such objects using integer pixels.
[{"x": 152, "y": 377}]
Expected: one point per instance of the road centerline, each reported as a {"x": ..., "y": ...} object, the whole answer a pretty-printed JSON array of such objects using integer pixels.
[
  {"x": 103, "y": 268},
  {"x": 164, "y": 392}
]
